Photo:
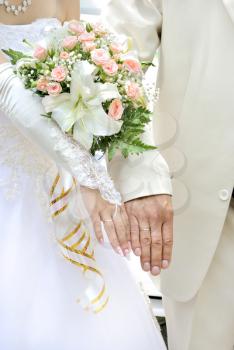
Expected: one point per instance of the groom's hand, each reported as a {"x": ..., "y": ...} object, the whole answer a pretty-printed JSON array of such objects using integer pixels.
[{"x": 151, "y": 224}]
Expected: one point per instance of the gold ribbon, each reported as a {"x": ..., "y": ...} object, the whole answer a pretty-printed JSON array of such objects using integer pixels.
[{"x": 76, "y": 244}]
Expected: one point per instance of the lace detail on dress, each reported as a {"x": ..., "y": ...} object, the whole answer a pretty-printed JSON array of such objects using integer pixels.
[
  {"x": 12, "y": 36},
  {"x": 20, "y": 158}
]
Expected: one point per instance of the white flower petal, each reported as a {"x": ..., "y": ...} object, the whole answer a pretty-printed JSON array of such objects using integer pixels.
[
  {"x": 76, "y": 86},
  {"x": 82, "y": 135},
  {"x": 51, "y": 102},
  {"x": 100, "y": 124},
  {"x": 85, "y": 68},
  {"x": 82, "y": 84},
  {"x": 64, "y": 115},
  {"x": 108, "y": 91},
  {"x": 104, "y": 92}
]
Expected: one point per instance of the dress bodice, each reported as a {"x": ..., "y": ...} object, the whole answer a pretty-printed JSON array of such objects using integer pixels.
[{"x": 11, "y": 36}]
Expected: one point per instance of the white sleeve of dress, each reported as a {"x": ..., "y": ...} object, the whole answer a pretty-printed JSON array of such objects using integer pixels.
[
  {"x": 139, "y": 19},
  {"x": 25, "y": 110}
]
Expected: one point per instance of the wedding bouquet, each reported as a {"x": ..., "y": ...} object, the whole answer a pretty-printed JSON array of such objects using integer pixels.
[{"x": 91, "y": 85}]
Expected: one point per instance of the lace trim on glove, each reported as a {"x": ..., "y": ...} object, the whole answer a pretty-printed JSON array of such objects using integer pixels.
[{"x": 88, "y": 171}]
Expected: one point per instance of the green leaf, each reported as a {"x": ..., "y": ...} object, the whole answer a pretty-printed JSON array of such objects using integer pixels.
[
  {"x": 15, "y": 55},
  {"x": 111, "y": 152},
  {"x": 89, "y": 28},
  {"x": 128, "y": 140},
  {"x": 147, "y": 64},
  {"x": 135, "y": 147}
]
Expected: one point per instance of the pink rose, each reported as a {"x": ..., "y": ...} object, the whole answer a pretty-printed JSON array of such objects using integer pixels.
[
  {"x": 40, "y": 53},
  {"x": 88, "y": 46},
  {"x": 116, "y": 109},
  {"x": 133, "y": 91},
  {"x": 99, "y": 29},
  {"x": 111, "y": 67},
  {"x": 69, "y": 42},
  {"x": 64, "y": 55},
  {"x": 42, "y": 84},
  {"x": 100, "y": 56},
  {"x": 132, "y": 65},
  {"x": 59, "y": 74},
  {"x": 76, "y": 27},
  {"x": 86, "y": 37},
  {"x": 54, "y": 89},
  {"x": 116, "y": 48}
]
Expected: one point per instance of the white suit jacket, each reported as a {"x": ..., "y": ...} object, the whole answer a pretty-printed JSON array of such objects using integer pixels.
[{"x": 193, "y": 124}]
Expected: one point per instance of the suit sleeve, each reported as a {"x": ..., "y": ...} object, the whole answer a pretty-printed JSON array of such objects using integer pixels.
[{"x": 148, "y": 174}]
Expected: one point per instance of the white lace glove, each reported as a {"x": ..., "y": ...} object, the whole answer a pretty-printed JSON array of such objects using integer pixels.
[{"x": 25, "y": 111}]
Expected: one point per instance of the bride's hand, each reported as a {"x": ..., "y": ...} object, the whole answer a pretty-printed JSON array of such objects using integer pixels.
[{"x": 114, "y": 218}]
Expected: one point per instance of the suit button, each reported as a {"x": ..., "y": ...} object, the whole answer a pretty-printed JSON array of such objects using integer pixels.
[{"x": 224, "y": 195}]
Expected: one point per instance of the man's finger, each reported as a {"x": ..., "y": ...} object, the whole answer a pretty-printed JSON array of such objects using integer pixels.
[
  {"x": 156, "y": 248},
  {"x": 126, "y": 223},
  {"x": 145, "y": 240},
  {"x": 135, "y": 236},
  {"x": 167, "y": 237}
]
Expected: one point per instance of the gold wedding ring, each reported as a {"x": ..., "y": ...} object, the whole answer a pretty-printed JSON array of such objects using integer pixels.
[{"x": 114, "y": 215}]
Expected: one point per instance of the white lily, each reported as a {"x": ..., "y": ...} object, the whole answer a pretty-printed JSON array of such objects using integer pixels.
[{"x": 82, "y": 108}]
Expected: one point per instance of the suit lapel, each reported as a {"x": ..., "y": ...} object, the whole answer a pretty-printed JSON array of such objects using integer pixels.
[{"x": 229, "y": 4}]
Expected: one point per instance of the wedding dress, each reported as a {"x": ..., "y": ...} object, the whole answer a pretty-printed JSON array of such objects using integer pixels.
[{"x": 38, "y": 286}]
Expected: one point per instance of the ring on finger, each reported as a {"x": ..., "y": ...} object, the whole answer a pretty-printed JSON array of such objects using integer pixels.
[
  {"x": 107, "y": 220},
  {"x": 145, "y": 229},
  {"x": 113, "y": 216}
]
